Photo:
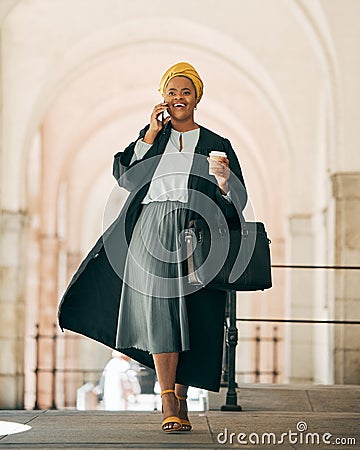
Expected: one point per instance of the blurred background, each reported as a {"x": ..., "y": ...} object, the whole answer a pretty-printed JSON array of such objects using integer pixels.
[{"x": 78, "y": 80}]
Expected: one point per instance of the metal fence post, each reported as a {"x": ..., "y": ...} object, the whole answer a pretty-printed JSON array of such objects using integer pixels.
[
  {"x": 54, "y": 355},
  {"x": 37, "y": 336},
  {"x": 231, "y": 343}
]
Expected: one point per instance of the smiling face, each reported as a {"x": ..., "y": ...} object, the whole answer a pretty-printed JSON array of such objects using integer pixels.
[{"x": 180, "y": 95}]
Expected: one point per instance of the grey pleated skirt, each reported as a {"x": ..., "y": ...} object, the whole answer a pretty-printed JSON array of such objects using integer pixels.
[{"x": 153, "y": 314}]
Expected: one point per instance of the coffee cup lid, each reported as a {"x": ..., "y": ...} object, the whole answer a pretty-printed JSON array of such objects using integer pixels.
[{"x": 217, "y": 153}]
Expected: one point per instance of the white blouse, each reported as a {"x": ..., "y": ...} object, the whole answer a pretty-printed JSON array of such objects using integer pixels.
[{"x": 170, "y": 180}]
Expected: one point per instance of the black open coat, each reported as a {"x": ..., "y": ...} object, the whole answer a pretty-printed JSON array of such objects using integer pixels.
[{"x": 90, "y": 304}]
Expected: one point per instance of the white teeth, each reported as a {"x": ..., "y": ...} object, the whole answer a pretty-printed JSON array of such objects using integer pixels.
[{"x": 179, "y": 104}]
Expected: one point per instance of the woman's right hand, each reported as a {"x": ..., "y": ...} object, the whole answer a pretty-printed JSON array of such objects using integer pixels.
[{"x": 155, "y": 124}]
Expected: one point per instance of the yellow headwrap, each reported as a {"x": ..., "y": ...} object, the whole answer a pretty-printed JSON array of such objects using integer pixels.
[{"x": 183, "y": 69}]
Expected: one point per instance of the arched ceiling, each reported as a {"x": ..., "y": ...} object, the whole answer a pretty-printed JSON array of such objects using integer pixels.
[{"x": 91, "y": 84}]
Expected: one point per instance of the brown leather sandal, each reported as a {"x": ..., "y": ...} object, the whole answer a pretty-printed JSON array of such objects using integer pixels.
[{"x": 170, "y": 419}]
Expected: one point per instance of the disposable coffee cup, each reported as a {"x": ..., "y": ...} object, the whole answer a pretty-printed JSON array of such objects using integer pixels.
[{"x": 215, "y": 157}]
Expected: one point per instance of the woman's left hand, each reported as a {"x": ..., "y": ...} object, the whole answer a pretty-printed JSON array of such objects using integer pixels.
[{"x": 221, "y": 171}]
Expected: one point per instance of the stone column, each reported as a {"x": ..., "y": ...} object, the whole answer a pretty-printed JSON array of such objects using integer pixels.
[
  {"x": 72, "y": 380},
  {"x": 346, "y": 192},
  {"x": 48, "y": 300},
  {"x": 299, "y": 300},
  {"x": 12, "y": 307}
]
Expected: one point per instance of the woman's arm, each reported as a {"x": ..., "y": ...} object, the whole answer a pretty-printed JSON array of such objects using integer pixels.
[
  {"x": 236, "y": 183},
  {"x": 128, "y": 179},
  {"x": 126, "y": 160},
  {"x": 233, "y": 186}
]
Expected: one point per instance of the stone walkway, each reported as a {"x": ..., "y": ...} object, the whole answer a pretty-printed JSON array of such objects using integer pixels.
[{"x": 287, "y": 417}]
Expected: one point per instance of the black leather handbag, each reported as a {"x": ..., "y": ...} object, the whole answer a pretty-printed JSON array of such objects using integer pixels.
[{"x": 230, "y": 259}]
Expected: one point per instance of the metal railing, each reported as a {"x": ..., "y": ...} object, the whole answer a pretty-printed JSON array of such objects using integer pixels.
[
  {"x": 230, "y": 343},
  {"x": 86, "y": 374},
  {"x": 258, "y": 340},
  {"x": 54, "y": 370},
  {"x": 229, "y": 371}
]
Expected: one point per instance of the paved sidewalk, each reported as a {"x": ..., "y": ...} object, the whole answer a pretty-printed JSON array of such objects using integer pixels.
[{"x": 314, "y": 415}]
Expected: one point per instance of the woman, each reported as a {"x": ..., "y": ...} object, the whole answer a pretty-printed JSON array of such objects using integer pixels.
[{"x": 130, "y": 292}]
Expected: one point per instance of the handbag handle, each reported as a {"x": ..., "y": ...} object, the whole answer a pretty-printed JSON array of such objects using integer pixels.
[
  {"x": 244, "y": 229},
  {"x": 193, "y": 278}
]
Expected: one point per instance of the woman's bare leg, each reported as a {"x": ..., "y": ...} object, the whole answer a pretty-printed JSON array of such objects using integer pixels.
[
  {"x": 181, "y": 391},
  {"x": 165, "y": 365}
]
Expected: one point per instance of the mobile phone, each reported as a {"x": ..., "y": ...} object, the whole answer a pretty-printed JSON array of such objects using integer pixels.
[{"x": 164, "y": 115}]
